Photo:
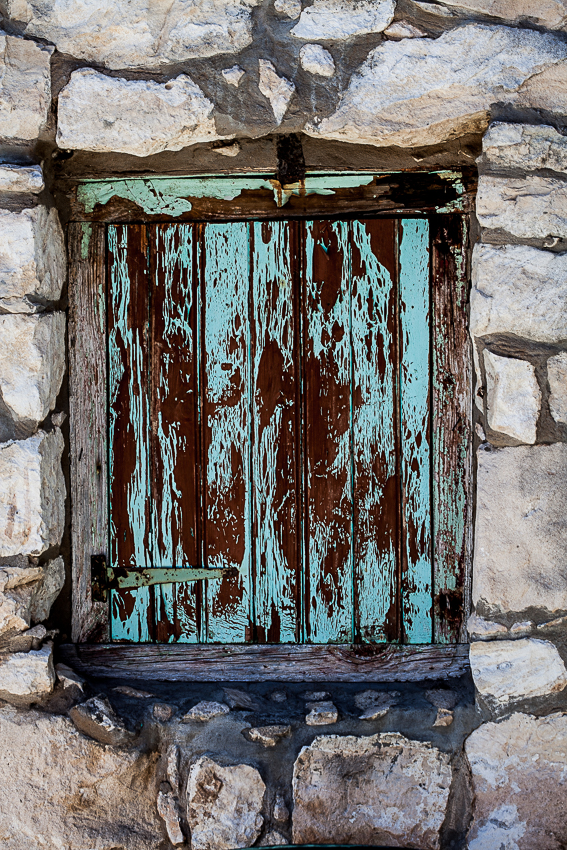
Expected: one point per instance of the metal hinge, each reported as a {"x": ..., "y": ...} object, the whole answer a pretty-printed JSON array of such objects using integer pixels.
[{"x": 104, "y": 578}]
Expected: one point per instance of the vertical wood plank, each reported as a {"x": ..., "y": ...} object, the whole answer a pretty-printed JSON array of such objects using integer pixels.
[
  {"x": 415, "y": 430},
  {"x": 174, "y": 426},
  {"x": 87, "y": 422},
  {"x": 452, "y": 430},
  {"x": 375, "y": 469},
  {"x": 129, "y": 472},
  {"x": 327, "y": 425},
  {"x": 275, "y": 437},
  {"x": 227, "y": 447}
]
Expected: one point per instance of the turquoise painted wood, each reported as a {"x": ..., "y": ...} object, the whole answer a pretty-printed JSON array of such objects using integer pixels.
[{"x": 415, "y": 429}]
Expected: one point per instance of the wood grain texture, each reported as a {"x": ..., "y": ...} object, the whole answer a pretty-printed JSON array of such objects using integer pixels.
[
  {"x": 131, "y": 611},
  {"x": 87, "y": 421},
  {"x": 186, "y": 663},
  {"x": 452, "y": 430},
  {"x": 415, "y": 430}
]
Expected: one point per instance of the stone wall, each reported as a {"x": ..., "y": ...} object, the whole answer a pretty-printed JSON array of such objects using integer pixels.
[{"x": 121, "y": 87}]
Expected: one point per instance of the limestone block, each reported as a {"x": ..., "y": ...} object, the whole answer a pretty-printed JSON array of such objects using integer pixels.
[
  {"x": 21, "y": 179},
  {"x": 139, "y": 33},
  {"x": 278, "y": 90},
  {"x": 551, "y": 14},
  {"x": 557, "y": 377},
  {"x": 28, "y": 673},
  {"x": 526, "y": 146},
  {"x": 513, "y": 397},
  {"x": 521, "y": 529},
  {"x": 97, "y": 719},
  {"x": 60, "y": 789},
  {"x": 32, "y": 494},
  {"x": 420, "y": 91},
  {"x": 224, "y": 805},
  {"x": 519, "y": 290},
  {"x": 382, "y": 789},
  {"x": 530, "y": 207},
  {"x": 25, "y": 87},
  {"x": 505, "y": 671},
  {"x": 518, "y": 769},
  {"x": 140, "y": 117},
  {"x": 316, "y": 60},
  {"x": 32, "y": 259},
  {"x": 46, "y": 591},
  {"x": 32, "y": 364},
  {"x": 336, "y": 20}
]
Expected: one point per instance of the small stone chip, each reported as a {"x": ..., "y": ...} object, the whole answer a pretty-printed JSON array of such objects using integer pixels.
[
  {"x": 239, "y": 699},
  {"x": 375, "y": 701},
  {"x": 281, "y": 811},
  {"x": 168, "y": 809},
  {"x": 268, "y": 735},
  {"x": 289, "y": 8},
  {"x": 97, "y": 719},
  {"x": 274, "y": 839},
  {"x": 321, "y": 714},
  {"x": 278, "y": 696},
  {"x": 442, "y": 698},
  {"x": 127, "y": 691},
  {"x": 374, "y": 713},
  {"x": 162, "y": 712},
  {"x": 69, "y": 679},
  {"x": 173, "y": 767},
  {"x": 206, "y": 710},
  {"x": 444, "y": 717},
  {"x": 233, "y": 75},
  {"x": 316, "y": 696}
]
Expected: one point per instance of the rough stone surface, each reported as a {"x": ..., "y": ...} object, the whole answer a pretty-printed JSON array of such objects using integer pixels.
[
  {"x": 506, "y": 671},
  {"x": 444, "y": 717},
  {"x": 278, "y": 90},
  {"x": 162, "y": 712},
  {"x": 233, "y": 75},
  {"x": 268, "y": 735},
  {"x": 289, "y": 8},
  {"x": 25, "y": 87},
  {"x": 17, "y": 641},
  {"x": 21, "y": 179},
  {"x": 97, "y": 719},
  {"x": 321, "y": 714},
  {"x": 557, "y": 377},
  {"x": 70, "y": 680},
  {"x": 17, "y": 586},
  {"x": 281, "y": 811},
  {"x": 336, "y": 20},
  {"x": 519, "y": 290},
  {"x": 32, "y": 495},
  {"x": 140, "y": 117},
  {"x": 425, "y": 91},
  {"x": 32, "y": 365},
  {"x": 32, "y": 258},
  {"x": 513, "y": 397},
  {"x": 168, "y": 809},
  {"x": 521, "y": 529},
  {"x": 224, "y": 805},
  {"x": 530, "y": 207},
  {"x": 27, "y": 674},
  {"x": 236, "y": 698},
  {"x": 172, "y": 760},
  {"x": 274, "y": 839},
  {"x": 526, "y": 146},
  {"x": 481, "y": 629},
  {"x": 383, "y": 789},
  {"x": 138, "y": 33},
  {"x": 316, "y": 60},
  {"x": 135, "y": 693},
  {"x": 206, "y": 710},
  {"x": 60, "y": 790},
  {"x": 404, "y": 29},
  {"x": 375, "y": 704},
  {"x": 48, "y": 588},
  {"x": 551, "y": 14},
  {"x": 518, "y": 771},
  {"x": 442, "y": 698}
]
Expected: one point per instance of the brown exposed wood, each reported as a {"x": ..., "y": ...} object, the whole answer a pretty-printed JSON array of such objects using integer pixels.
[
  {"x": 87, "y": 417},
  {"x": 452, "y": 429},
  {"x": 213, "y": 663}
]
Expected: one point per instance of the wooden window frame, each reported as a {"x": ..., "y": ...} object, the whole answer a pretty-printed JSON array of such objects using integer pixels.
[{"x": 446, "y": 198}]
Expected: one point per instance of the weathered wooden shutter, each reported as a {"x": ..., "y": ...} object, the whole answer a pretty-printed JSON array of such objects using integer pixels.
[{"x": 269, "y": 408}]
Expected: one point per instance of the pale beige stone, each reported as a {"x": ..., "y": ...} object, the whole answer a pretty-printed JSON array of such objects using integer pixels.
[
  {"x": 557, "y": 377},
  {"x": 28, "y": 673},
  {"x": 424, "y": 91},
  {"x": 25, "y": 87},
  {"x": 530, "y": 207},
  {"x": 172, "y": 758},
  {"x": 97, "y": 719},
  {"x": 69, "y": 679},
  {"x": 140, "y": 117},
  {"x": 205, "y": 710},
  {"x": 288, "y": 8},
  {"x": 139, "y": 33},
  {"x": 383, "y": 789},
  {"x": 551, "y": 14},
  {"x": 521, "y": 529},
  {"x": 321, "y": 714},
  {"x": 224, "y": 805},
  {"x": 168, "y": 810},
  {"x": 278, "y": 90},
  {"x": 513, "y": 397},
  {"x": 61, "y": 790},
  {"x": 522, "y": 629},
  {"x": 518, "y": 769},
  {"x": 404, "y": 29},
  {"x": 233, "y": 75},
  {"x": 506, "y": 671},
  {"x": 15, "y": 609},
  {"x": 21, "y": 179},
  {"x": 337, "y": 20},
  {"x": 444, "y": 717},
  {"x": 32, "y": 259},
  {"x": 519, "y": 290},
  {"x": 12, "y": 577},
  {"x": 32, "y": 494},
  {"x": 32, "y": 365},
  {"x": 527, "y": 146},
  {"x": 546, "y": 90},
  {"x": 274, "y": 839},
  {"x": 480, "y": 629},
  {"x": 268, "y": 736},
  {"x": 47, "y": 589},
  {"x": 316, "y": 60}
]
